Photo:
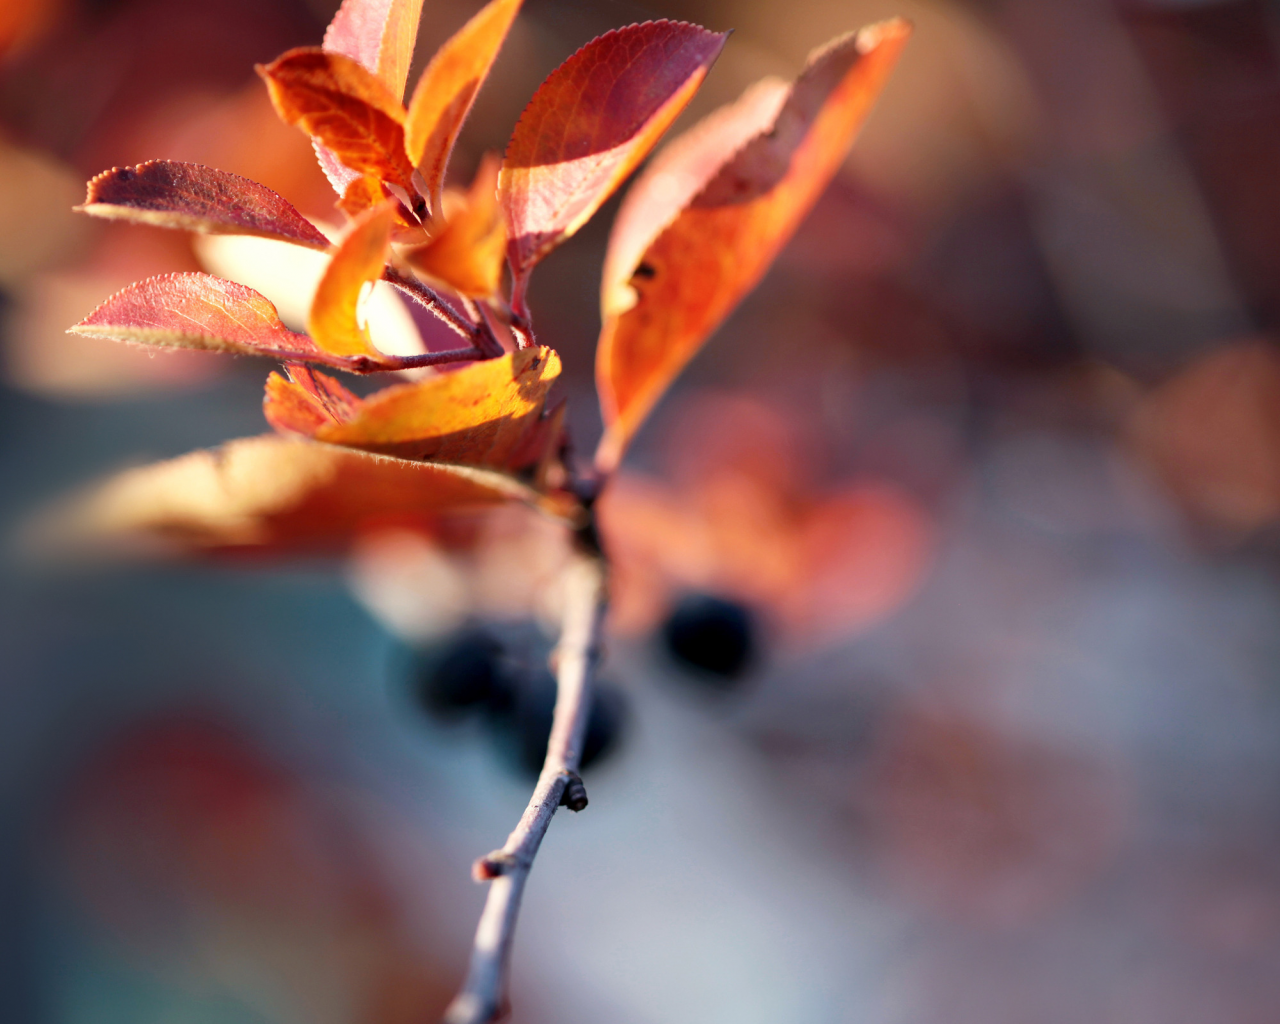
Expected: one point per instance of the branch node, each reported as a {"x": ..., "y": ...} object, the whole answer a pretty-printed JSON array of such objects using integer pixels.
[
  {"x": 574, "y": 796},
  {"x": 493, "y": 865}
]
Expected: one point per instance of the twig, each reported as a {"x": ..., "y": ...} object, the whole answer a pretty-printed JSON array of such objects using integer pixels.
[
  {"x": 429, "y": 298},
  {"x": 485, "y": 337},
  {"x": 483, "y": 996}
]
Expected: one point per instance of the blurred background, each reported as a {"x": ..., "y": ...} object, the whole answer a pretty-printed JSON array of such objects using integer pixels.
[{"x": 944, "y": 673}]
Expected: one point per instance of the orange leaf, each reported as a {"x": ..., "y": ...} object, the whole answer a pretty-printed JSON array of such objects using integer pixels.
[
  {"x": 195, "y": 198},
  {"x": 444, "y": 94},
  {"x": 345, "y": 108},
  {"x": 479, "y": 416},
  {"x": 266, "y": 495},
  {"x": 306, "y": 401},
  {"x": 591, "y": 122},
  {"x": 468, "y": 253},
  {"x": 196, "y": 311},
  {"x": 368, "y": 191},
  {"x": 380, "y": 35},
  {"x": 359, "y": 259},
  {"x": 719, "y": 246}
]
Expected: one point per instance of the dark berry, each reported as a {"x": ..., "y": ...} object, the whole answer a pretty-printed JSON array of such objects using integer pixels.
[
  {"x": 712, "y": 635},
  {"x": 467, "y": 672},
  {"x": 524, "y": 727}
]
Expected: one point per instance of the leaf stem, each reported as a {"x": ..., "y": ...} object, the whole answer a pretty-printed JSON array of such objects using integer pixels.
[
  {"x": 430, "y": 299},
  {"x": 483, "y": 995}
]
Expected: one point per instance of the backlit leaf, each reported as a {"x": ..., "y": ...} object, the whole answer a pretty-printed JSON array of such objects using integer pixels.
[
  {"x": 591, "y": 122},
  {"x": 482, "y": 415},
  {"x": 359, "y": 259},
  {"x": 468, "y": 253},
  {"x": 262, "y": 495},
  {"x": 196, "y": 198},
  {"x": 719, "y": 246},
  {"x": 344, "y": 107},
  {"x": 444, "y": 94},
  {"x": 380, "y": 34},
  {"x": 196, "y": 311}
]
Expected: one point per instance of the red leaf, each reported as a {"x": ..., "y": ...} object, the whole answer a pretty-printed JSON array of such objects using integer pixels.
[
  {"x": 719, "y": 246},
  {"x": 196, "y": 198},
  {"x": 345, "y": 108},
  {"x": 480, "y": 416},
  {"x": 196, "y": 311},
  {"x": 591, "y": 122},
  {"x": 444, "y": 94},
  {"x": 379, "y": 34}
]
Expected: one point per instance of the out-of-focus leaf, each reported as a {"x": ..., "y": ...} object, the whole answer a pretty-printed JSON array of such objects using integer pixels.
[
  {"x": 444, "y": 94},
  {"x": 591, "y": 122},
  {"x": 380, "y": 34},
  {"x": 338, "y": 102},
  {"x": 196, "y": 311},
  {"x": 719, "y": 246},
  {"x": 196, "y": 198},
  {"x": 268, "y": 495},
  {"x": 468, "y": 253},
  {"x": 359, "y": 259},
  {"x": 482, "y": 415}
]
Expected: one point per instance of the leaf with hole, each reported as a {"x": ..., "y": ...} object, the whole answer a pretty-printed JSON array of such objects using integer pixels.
[{"x": 700, "y": 264}]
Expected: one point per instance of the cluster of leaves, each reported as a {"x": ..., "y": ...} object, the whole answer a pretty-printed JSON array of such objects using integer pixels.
[{"x": 695, "y": 233}]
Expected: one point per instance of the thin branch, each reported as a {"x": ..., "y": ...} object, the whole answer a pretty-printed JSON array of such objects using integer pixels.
[
  {"x": 488, "y": 337},
  {"x": 483, "y": 996},
  {"x": 429, "y": 298}
]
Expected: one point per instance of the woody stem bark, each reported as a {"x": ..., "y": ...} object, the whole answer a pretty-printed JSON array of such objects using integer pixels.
[{"x": 483, "y": 995}]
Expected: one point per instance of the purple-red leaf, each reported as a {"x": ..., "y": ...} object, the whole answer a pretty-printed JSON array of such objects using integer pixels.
[
  {"x": 379, "y": 34},
  {"x": 688, "y": 279},
  {"x": 196, "y": 198},
  {"x": 591, "y": 122},
  {"x": 196, "y": 311}
]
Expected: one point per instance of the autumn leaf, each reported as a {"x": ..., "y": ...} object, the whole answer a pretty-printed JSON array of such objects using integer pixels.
[
  {"x": 345, "y": 108},
  {"x": 305, "y": 401},
  {"x": 717, "y": 248},
  {"x": 196, "y": 198},
  {"x": 468, "y": 253},
  {"x": 480, "y": 416},
  {"x": 359, "y": 259},
  {"x": 590, "y": 123},
  {"x": 444, "y": 94},
  {"x": 262, "y": 495},
  {"x": 378, "y": 34},
  {"x": 196, "y": 311}
]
